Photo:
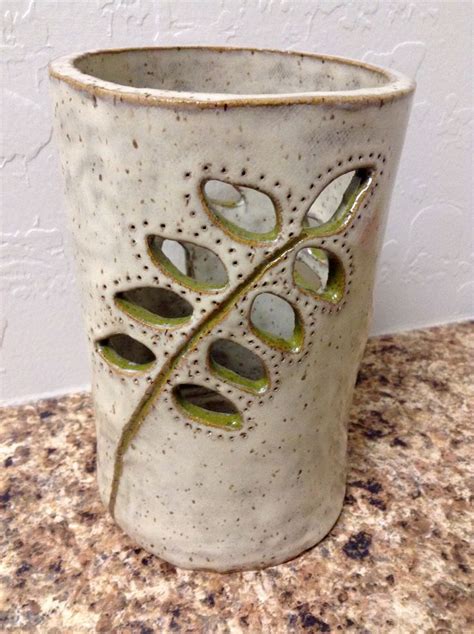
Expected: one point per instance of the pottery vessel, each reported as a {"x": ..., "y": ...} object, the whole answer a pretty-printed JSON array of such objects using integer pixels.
[{"x": 227, "y": 208}]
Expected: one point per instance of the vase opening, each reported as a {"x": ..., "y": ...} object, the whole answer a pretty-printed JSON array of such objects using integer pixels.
[{"x": 227, "y": 71}]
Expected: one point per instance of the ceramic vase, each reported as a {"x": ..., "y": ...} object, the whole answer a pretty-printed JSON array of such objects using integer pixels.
[{"x": 227, "y": 208}]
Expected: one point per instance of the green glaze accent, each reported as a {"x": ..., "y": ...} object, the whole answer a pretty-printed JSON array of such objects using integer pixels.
[
  {"x": 147, "y": 317},
  {"x": 351, "y": 201},
  {"x": 229, "y": 421},
  {"x": 293, "y": 344},
  {"x": 336, "y": 283},
  {"x": 132, "y": 427},
  {"x": 258, "y": 386},
  {"x": 224, "y": 203},
  {"x": 164, "y": 263},
  {"x": 318, "y": 254},
  {"x": 242, "y": 234},
  {"x": 112, "y": 357},
  {"x": 301, "y": 282},
  {"x": 336, "y": 280}
]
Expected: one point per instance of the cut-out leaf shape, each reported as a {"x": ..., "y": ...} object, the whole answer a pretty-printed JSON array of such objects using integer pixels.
[
  {"x": 189, "y": 264},
  {"x": 238, "y": 365},
  {"x": 207, "y": 406},
  {"x": 335, "y": 206},
  {"x": 247, "y": 214},
  {"x": 155, "y": 306},
  {"x": 126, "y": 353},
  {"x": 319, "y": 273},
  {"x": 275, "y": 321}
]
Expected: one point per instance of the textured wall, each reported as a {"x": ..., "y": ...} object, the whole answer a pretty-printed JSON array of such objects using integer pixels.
[{"x": 426, "y": 267}]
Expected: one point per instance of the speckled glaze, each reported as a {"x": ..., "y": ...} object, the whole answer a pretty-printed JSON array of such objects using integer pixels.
[{"x": 142, "y": 132}]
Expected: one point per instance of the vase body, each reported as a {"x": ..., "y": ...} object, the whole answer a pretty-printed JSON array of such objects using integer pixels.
[{"x": 221, "y": 412}]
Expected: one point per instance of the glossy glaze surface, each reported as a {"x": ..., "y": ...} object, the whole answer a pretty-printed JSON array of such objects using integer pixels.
[{"x": 206, "y": 490}]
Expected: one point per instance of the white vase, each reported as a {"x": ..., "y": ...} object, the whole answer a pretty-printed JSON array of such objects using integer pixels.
[{"x": 227, "y": 209}]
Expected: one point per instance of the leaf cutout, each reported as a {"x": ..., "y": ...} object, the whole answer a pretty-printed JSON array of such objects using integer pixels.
[
  {"x": 247, "y": 214},
  {"x": 319, "y": 273},
  {"x": 126, "y": 353},
  {"x": 335, "y": 206},
  {"x": 275, "y": 321},
  {"x": 238, "y": 365},
  {"x": 191, "y": 265},
  {"x": 155, "y": 306},
  {"x": 207, "y": 406}
]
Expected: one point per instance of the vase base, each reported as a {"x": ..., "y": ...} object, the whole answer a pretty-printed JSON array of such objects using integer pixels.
[{"x": 223, "y": 564}]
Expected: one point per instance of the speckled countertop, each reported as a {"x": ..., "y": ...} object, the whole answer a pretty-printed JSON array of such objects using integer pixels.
[{"x": 398, "y": 560}]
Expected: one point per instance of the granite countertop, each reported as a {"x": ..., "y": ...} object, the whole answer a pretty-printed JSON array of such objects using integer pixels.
[{"x": 398, "y": 559}]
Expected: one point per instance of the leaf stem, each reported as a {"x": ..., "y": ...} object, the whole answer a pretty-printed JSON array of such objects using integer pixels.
[{"x": 132, "y": 427}]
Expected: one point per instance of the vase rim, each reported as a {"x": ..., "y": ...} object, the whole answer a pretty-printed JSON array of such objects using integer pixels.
[{"x": 394, "y": 84}]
